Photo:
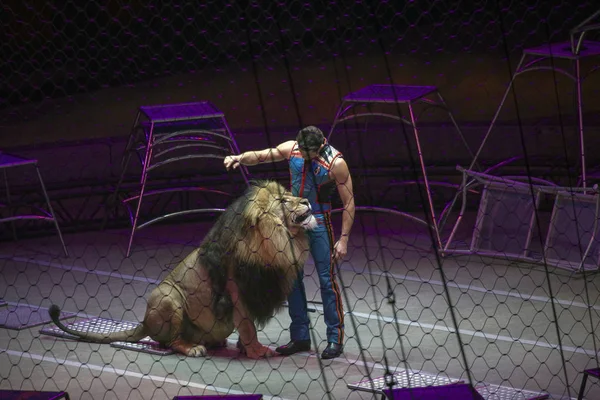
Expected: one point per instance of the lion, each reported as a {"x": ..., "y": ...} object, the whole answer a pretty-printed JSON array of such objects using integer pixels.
[{"x": 238, "y": 278}]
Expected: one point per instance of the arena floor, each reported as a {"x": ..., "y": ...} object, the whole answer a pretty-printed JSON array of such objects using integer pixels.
[{"x": 504, "y": 314}]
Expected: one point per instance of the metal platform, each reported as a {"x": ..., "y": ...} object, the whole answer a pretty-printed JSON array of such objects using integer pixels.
[
  {"x": 181, "y": 112},
  {"x": 168, "y": 134},
  {"x": 462, "y": 391},
  {"x": 400, "y": 379},
  {"x": 220, "y": 397},
  {"x": 401, "y": 94},
  {"x": 564, "y": 50},
  {"x": 103, "y": 325},
  {"x": 594, "y": 373},
  {"x": 8, "y": 161},
  {"x": 384, "y": 96},
  {"x": 404, "y": 379},
  {"x": 547, "y": 57},
  {"x": 496, "y": 392}
]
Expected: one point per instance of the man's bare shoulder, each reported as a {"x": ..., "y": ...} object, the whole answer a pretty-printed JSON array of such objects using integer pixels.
[
  {"x": 339, "y": 165},
  {"x": 285, "y": 148}
]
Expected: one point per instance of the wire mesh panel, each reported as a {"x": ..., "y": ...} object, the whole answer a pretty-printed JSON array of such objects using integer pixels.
[
  {"x": 76, "y": 73},
  {"x": 505, "y": 219},
  {"x": 572, "y": 240}
]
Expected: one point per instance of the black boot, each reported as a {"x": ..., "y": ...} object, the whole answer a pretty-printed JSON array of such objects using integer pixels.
[
  {"x": 295, "y": 346},
  {"x": 332, "y": 350}
]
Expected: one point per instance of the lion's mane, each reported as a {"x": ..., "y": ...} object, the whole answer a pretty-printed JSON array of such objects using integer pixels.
[{"x": 262, "y": 254}]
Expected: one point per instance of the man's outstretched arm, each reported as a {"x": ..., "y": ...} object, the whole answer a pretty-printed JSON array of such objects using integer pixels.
[{"x": 253, "y": 157}]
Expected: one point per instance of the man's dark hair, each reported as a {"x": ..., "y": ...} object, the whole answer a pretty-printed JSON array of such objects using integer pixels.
[{"x": 310, "y": 138}]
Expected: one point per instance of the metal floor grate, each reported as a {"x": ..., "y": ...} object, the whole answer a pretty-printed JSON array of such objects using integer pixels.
[
  {"x": 103, "y": 325},
  {"x": 495, "y": 392},
  {"x": 401, "y": 379},
  {"x": 421, "y": 379}
]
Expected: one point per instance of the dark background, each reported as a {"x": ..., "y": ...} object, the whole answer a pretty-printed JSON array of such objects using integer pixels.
[
  {"x": 74, "y": 74},
  {"x": 59, "y": 48}
]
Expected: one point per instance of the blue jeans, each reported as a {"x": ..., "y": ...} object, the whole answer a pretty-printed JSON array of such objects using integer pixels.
[{"x": 321, "y": 247}]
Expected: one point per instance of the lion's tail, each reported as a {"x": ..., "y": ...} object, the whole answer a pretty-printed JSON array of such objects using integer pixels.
[{"x": 130, "y": 335}]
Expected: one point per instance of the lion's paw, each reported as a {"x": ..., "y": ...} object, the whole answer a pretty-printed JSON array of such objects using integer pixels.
[
  {"x": 197, "y": 351},
  {"x": 256, "y": 351},
  {"x": 260, "y": 352}
]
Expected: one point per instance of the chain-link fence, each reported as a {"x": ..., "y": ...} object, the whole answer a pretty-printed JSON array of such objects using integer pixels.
[
  {"x": 52, "y": 51},
  {"x": 117, "y": 118}
]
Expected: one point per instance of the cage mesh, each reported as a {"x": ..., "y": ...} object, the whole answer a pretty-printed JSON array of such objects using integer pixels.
[{"x": 506, "y": 297}]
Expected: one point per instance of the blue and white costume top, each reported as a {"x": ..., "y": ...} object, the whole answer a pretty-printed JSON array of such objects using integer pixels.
[{"x": 311, "y": 180}]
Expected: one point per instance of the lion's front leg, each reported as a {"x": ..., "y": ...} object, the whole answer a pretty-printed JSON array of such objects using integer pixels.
[
  {"x": 248, "y": 342},
  {"x": 255, "y": 352}
]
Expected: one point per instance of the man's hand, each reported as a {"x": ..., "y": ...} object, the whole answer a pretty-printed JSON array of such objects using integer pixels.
[
  {"x": 231, "y": 162},
  {"x": 340, "y": 249}
]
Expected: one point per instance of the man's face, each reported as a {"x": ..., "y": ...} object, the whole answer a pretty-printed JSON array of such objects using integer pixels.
[{"x": 310, "y": 154}]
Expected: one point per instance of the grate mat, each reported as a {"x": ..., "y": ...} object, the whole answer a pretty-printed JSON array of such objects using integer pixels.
[
  {"x": 420, "y": 379},
  {"x": 401, "y": 379},
  {"x": 103, "y": 325},
  {"x": 495, "y": 392}
]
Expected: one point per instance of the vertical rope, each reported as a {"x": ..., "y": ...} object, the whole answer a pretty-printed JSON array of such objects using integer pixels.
[
  {"x": 428, "y": 212},
  {"x": 572, "y": 183},
  {"x": 290, "y": 79},
  {"x": 387, "y": 370},
  {"x": 528, "y": 169}
]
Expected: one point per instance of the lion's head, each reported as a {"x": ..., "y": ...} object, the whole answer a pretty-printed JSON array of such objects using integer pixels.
[
  {"x": 265, "y": 226},
  {"x": 270, "y": 198},
  {"x": 260, "y": 239}
]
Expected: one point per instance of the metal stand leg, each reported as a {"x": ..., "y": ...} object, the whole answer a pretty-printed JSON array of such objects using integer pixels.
[
  {"x": 142, "y": 187},
  {"x": 340, "y": 111},
  {"x": 8, "y": 203},
  {"x": 112, "y": 202},
  {"x": 425, "y": 179},
  {"x": 444, "y": 216},
  {"x": 51, "y": 210},
  {"x": 456, "y": 126},
  {"x": 463, "y": 189},
  {"x": 582, "y": 387},
  {"x": 580, "y": 123},
  {"x": 521, "y": 67},
  {"x": 497, "y": 114}
]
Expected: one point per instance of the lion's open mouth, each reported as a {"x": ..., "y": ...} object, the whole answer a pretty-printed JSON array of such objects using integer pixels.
[{"x": 299, "y": 219}]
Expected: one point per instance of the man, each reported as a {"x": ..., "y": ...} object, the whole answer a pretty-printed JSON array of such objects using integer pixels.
[{"x": 316, "y": 168}]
